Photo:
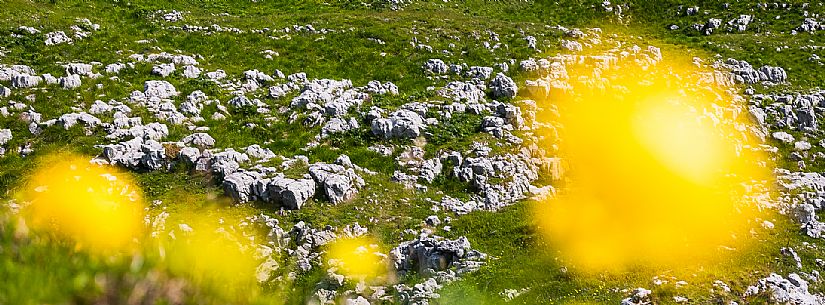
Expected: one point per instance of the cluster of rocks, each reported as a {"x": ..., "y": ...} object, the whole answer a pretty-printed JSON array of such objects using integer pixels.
[
  {"x": 303, "y": 244},
  {"x": 440, "y": 260},
  {"x": 20, "y": 76},
  {"x": 285, "y": 32},
  {"x": 739, "y": 24},
  {"x": 788, "y": 111},
  {"x": 514, "y": 172},
  {"x": 437, "y": 67},
  {"x": 779, "y": 114},
  {"x": 169, "y": 16},
  {"x": 80, "y": 31},
  {"x": 743, "y": 73},
  {"x": 803, "y": 196},
  {"x": 337, "y": 182},
  {"x": 810, "y": 25},
  {"x": 790, "y": 290},
  {"x": 639, "y": 296}
]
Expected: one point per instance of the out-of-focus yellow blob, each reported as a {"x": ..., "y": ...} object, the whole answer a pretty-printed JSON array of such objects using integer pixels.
[
  {"x": 212, "y": 256},
  {"x": 357, "y": 258},
  {"x": 653, "y": 178},
  {"x": 97, "y": 206}
]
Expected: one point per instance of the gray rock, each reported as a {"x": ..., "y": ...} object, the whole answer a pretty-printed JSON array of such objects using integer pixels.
[
  {"x": 189, "y": 155},
  {"x": 741, "y": 23},
  {"x": 5, "y": 136},
  {"x": 200, "y": 139},
  {"x": 531, "y": 42},
  {"x": 783, "y": 137},
  {"x": 329, "y": 97},
  {"x": 511, "y": 114},
  {"x": 744, "y": 73},
  {"x": 711, "y": 25},
  {"x": 191, "y": 71},
  {"x": 137, "y": 154},
  {"x": 376, "y": 87},
  {"x": 78, "y": 68},
  {"x": 427, "y": 255},
  {"x": 290, "y": 194},
  {"x": 792, "y": 254},
  {"x": 115, "y": 68},
  {"x": 528, "y": 65},
  {"x": 159, "y": 89},
  {"x": 5, "y": 92},
  {"x": 99, "y": 107},
  {"x": 810, "y": 25},
  {"x": 430, "y": 169},
  {"x": 338, "y": 125},
  {"x": 241, "y": 101},
  {"x": 639, "y": 296},
  {"x": 257, "y": 152},
  {"x": 257, "y": 76},
  {"x": 240, "y": 185},
  {"x": 420, "y": 293},
  {"x": 435, "y": 66},
  {"x": 503, "y": 86},
  {"x": 69, "y": 82},
  {"x": 400, "y": 124},
  {"x": 58, "y": 37},
  {"x": 772, "y": 74},
  {"x": 25, "y": 81},
  {"x": 477, "y": 72},
  {"x": 382, "y": 149},
  {"x": 571, "y": 45},
  {"x": 337, "y": 182},
  {"x": 470, "y": 92},
  {"x": 164, "y": 70},
  {"x": 216, "y": 75},
  {"x": 359, "y": 300},
  {"x": 432, "y": 221},
  {"x": 69, "y": 120}
]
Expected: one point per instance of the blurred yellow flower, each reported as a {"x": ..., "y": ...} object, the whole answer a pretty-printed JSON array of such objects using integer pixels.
[
  {"x": 357, "y": 258},
  {"x": 656, "y": 163},
  {"x": 212, "y": 256},
  {"x": 97, "y": 206}
]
